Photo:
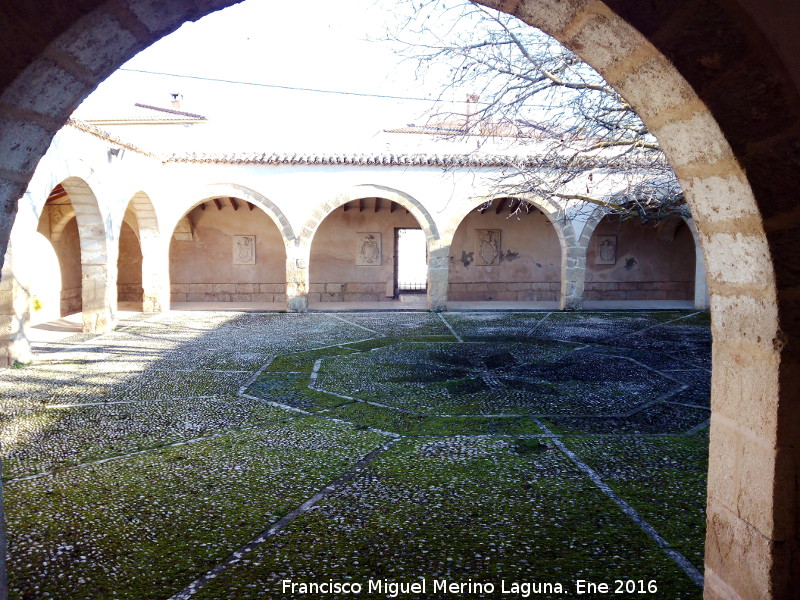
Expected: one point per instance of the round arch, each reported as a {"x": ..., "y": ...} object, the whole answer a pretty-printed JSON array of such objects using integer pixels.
[
  {"x": 322, "y": 235},
  {"x": 258, "y": 278},
  {"x": 414, "y": 206},
  {"x": 58, "y": 170},
  {"x": 571, "y": 282},
  {"x": 98, "y": 258},
  {"x": 96, "y": 262},
  {"x": 196, "y": 196},
  {"x": 142, "y": 208},
  {"x": 701, "y": 298},
  {"x": 153, "y": 276},
  {"x": 751, "y": 509}
]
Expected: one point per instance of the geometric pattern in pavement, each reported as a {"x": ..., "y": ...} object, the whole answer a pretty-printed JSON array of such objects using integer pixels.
[
  {"x": 213, "y": 455},
  {"x": 533, "y": 378}
]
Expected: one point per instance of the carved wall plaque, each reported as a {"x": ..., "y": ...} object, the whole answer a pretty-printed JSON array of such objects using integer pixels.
[
  {"x": 368, "y": 249},
  {"x": 487, "y": 247},
  {"x": 244, "y": 249},
  {"x": 606, "y": 250}
]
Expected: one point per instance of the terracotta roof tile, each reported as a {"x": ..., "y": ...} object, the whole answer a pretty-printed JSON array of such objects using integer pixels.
[
  {"x": 104, "y": 135},
  {"x": 389, "y": 160},
  {"x": 171, "y": 111},
  {"x": 147, "y": 113}
]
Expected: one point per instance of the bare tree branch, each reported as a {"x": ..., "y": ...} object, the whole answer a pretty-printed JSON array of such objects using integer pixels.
[{"x": 584, "y": 142}]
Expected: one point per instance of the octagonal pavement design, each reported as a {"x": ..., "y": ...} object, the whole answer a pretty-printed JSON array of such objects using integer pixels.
[{"x": 217, "y": 455}]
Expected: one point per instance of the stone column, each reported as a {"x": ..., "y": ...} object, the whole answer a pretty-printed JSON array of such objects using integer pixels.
[
  {"x": 99, "y": 298},
  {"x": 98, "y": 259},
  {"x": 14, "y": 315},
  {"x": 573, "y": 268},
  {"x": 752, "y": 540},
  {"x": 297, "y": 278},
  {"x": 701, "y": 299},
  {"x": 155, "y": 275},
  {"x": 438, "y": 276},
  {"x": 573, "y": 278}
]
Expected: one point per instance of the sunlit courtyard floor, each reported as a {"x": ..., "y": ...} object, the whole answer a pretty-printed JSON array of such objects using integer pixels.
[{"x": 250, "y": 455}]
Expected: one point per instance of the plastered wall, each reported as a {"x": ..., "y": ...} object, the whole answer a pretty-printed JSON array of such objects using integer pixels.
[
  {"x": 334, "y": 275},
  {"x": 651, "y": 263},
  {"x": 202, "y": 270},
  {"x": 529, "y": 264},
  {"x": 129, "y": 266}
]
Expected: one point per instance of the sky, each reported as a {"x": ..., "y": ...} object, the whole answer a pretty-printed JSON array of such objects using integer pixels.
[{"x": 334, "y": 46}]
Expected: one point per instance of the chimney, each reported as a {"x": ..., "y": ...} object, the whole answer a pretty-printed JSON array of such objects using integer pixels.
[
  {"x": 176, "y": 100},
  {"x": 472, "y": 106}
]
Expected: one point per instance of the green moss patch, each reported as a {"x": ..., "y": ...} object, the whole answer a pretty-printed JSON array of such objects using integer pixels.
[
  {"x": 144, "y": 526},
  {"x": 664, "y": 479},
  {"x": 459, "y": 509},
  {"x": 304, "y": 361},
  {"x": 417, "y": 424}
]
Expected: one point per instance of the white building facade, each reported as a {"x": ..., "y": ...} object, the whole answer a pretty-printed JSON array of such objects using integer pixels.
[{"x": 103, "y": 221}]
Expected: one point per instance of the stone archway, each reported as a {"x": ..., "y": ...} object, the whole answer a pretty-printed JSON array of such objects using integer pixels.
[
  {"x": 204, "y": 265},
  {"x": 437, "y": 254},
  {"x": 74, "y": 185},
  {"x": 737, "y": 112},
  {"x": 98, "y": 273},
  {"x": 192, "y": 197},
  {"x": 150, "y": 285},
  {"x": 78, "y": 222},
  {"x": 742, "y": 513},
  {"x": 645, "y": 261},
  {"x": 571, "y": 260},
  {"x": 353, "y": 256}
]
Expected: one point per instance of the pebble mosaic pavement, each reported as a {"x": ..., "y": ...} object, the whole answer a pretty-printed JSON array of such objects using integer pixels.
[{"x": 213, "y": 455}]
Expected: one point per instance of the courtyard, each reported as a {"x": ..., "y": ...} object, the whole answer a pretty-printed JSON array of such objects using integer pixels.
[{"x": 254, "y": 455}]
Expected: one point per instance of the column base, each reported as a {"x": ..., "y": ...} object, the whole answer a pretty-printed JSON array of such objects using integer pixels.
[{"x": 298, "y": 304}]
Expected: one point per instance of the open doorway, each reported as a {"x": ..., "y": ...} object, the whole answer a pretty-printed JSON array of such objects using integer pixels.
[{"x": 411, "y": 261}]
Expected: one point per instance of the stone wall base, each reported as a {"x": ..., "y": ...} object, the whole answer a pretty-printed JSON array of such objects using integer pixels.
[
  {"x": 71, "y": 301},
  {"x": 638, "y": 290},
  {"x": 512, "y": 291},
  {"x": 228, "y": 292},
  {"x": 348, "y": 292},
  {"x": 130, "y": 292}
]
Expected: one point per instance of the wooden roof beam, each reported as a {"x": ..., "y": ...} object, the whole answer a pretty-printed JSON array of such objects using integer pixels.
[
  {"x": 500, "y": 205},
  {"x": 57, "y": 193},
  {"x": 233, "y": 204},
  {"x": 217, "y": 203}
]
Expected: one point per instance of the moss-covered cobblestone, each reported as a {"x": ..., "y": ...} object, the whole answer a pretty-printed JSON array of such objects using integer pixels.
[
  {"x": 135, "y": 466},
  {"x": 458, "y": 509},
  {"x": 140, "y": 527}
]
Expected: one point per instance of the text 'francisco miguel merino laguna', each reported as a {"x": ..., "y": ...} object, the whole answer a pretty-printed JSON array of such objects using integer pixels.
[{"x": 395, "y": 589}]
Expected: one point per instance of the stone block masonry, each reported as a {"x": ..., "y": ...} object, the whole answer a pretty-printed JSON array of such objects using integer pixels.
[
  {"x": 512, "y": 291},
  {"x": 638, "y": 290},
  {"x": 230, "y": 292}
]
